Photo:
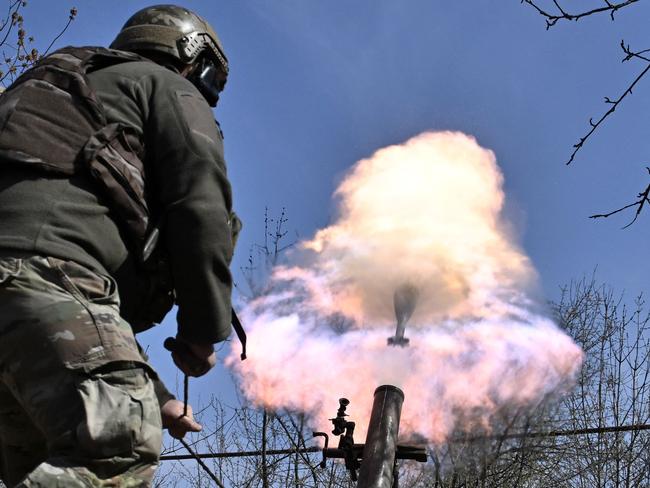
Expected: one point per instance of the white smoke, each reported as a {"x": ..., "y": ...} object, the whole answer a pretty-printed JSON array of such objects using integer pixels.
[{"x": 425, "y": 213}]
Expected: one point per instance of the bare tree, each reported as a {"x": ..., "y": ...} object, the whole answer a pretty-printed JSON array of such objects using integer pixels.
[
  {"x": 554, "y": 12},
  {"x": 612, "y": 391},
  {"x": 239, "y": 430},
  {"x": 17, "y": 45},
  {"x": 595, "y": 437},
  {"x": 262, "y": 258}
]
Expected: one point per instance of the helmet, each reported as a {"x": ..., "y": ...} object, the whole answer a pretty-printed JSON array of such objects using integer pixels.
[
  {"x": 183, "y": 35},
  {"x": 171, "y": 30}
]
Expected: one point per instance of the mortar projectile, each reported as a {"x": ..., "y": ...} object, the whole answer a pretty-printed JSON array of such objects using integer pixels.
[{"x": 405, "y": 299}]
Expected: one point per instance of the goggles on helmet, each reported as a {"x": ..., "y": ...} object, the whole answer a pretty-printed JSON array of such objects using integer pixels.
[
  {"x": 209, "y": 79},
  {"x": 211, "y": 71}
]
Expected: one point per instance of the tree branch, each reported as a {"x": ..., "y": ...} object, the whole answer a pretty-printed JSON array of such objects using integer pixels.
[
  {"x": 71, "y": 17},
  {"x": 643, "y": 198},
  {"x": 553, "y": 18},
  {"x": 613, "y": 103}
]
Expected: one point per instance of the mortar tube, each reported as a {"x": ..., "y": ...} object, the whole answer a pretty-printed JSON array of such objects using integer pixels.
[{"x": 377, "y": 466}]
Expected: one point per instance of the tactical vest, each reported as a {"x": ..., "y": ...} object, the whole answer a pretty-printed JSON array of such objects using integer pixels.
[
  {"x": 51, "y": 120},
  {"x": 54, "y": 104}
]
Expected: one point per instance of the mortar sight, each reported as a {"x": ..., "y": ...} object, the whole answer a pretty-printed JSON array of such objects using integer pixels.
[
  {"x": 343, "y": 403},
  {"x": 339, "y": 422}
]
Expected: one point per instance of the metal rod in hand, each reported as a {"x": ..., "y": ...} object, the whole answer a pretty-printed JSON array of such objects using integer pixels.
[
  {"x": 186, "y": 393},
  {"x": 186, "y": 388},
  {"x": 173, "y": 345}
]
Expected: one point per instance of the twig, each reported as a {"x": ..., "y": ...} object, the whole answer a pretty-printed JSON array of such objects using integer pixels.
[
  {"x": 552, "y": 19},
  {"x": 198, "y": 459},
  {"x": 612, "y": 8},
  {"x": 629, "y": 54},
  {"x": 71, "y": 17},
  {"x": 13, "y": 15},
  {"x": 613, "y": 103},
  {"x": 12, "y": 5},
  {"x": 643, "y": 198},
  {"x": 297, "y": 449}
]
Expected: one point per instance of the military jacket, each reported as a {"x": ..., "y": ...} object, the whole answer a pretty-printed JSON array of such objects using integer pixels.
[{"x": 187, "y": 189}]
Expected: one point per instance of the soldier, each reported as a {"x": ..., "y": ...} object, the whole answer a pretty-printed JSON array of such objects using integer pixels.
[{"x": 114, "y": 204}]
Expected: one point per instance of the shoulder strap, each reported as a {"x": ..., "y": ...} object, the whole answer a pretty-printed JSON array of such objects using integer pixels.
[
  {"x": 241, "y": 333},
  {"x": 54, "y": 104}
]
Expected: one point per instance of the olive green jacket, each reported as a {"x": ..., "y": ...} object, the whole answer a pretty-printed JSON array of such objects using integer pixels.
[{"x": 187, "y": 188}]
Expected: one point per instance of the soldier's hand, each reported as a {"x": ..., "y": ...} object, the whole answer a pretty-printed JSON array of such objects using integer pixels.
[
  {"x": 191, "y": 358},
  {"x": 175, "y": 422}
]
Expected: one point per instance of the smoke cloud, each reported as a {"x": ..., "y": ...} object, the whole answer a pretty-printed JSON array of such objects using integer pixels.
[{"x": 428, "y": 214}]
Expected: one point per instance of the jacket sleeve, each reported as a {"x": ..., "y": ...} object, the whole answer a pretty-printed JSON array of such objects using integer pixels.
[{"x": 192, "y": 195}]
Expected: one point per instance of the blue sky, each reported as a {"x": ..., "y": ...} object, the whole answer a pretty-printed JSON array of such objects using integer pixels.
[{"x": 317, "y": 85}]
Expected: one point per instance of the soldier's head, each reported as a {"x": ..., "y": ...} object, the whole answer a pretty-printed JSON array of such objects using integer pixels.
[{"x": 179, "y": 39}]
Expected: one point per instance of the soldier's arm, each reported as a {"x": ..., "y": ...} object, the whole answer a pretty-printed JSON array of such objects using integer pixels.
[
  {"x": 176, "y": 417},
  {"x": 188, "y": 174}
]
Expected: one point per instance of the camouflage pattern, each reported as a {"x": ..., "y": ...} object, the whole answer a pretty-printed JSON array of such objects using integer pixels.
[
  {"x": 164, "y": 28},
  {"x": 77, "y": 401}
]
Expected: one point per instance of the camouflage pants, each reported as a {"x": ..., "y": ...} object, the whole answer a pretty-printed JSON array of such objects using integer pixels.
[{"x": 77, "y": 404}]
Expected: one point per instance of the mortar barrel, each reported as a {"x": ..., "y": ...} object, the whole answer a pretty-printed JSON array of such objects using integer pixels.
[{"x": 381, "y": 441}]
